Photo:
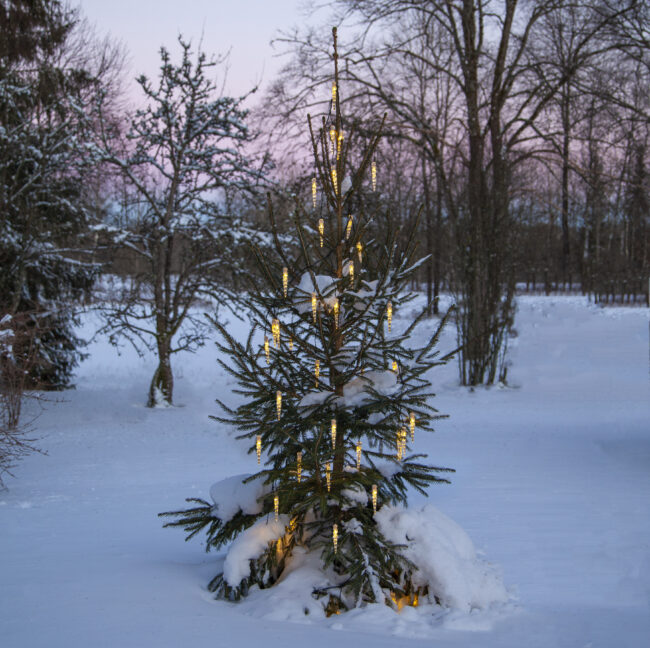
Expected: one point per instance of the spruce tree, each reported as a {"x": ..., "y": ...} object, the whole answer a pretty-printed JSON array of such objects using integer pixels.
[{"x": 334, "y": 396}]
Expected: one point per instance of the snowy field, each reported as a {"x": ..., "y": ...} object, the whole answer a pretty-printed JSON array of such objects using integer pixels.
[{"x": 552, "y": 484}]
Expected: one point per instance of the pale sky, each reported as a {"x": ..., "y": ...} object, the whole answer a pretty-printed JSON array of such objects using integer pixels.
[{"x": 245, "y": 27}]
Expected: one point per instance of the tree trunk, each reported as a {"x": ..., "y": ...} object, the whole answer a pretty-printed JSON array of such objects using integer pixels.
[{"x": 162, "y": 384}]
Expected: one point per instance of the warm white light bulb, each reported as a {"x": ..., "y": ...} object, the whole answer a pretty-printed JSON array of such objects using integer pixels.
[
  {"x": 336, "y": 313},
  {"x": 267, "y": 350},
  {"x": 285, "y": 281},
  {"x": 258, "y": 448},
  {"x": 314, "y": 306},
  {"x": 359, "y": 455},
  {"x": 373, "y": 172},
  {"x": 389, "y": 314},
  {"x": 276, "y": 507},
  {"x": 328, "y": 476},
  {"x": 335, "y": 182},
  {"x": 335, "y": 537},
  {"x": 278, "y": 403},
  {"x": 412, "y": 426},
  {"x": 360, "y": 251},
  {"x": 374, "y": 498},
  {"x": 313, "y": 191},
  {"x": 333, "y": 433},
  {"x": 348, "y": 228},
  {"x": 321, "y": 230},
  {"x": 299, "y": 466},
  {"x": 316, "y": 371},
  {"x": 351, "y": 271},
  {"x": 395, "y": 366},
  {"x": 275, "y": 331}
]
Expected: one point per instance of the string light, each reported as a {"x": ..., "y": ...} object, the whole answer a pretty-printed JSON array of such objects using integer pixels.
[
  {"x": 267, "y": 350},
  {"x": 335, "y": 182},
  {"x": 278, "y": 402},
  {"x": 299, "y": 466},
  {"x": 328, "y": 476},
  {"x": 335, "y": 537},
  {"x": 258, "y": 448},
  {"x": 285, "y": 281},
  {"x": 336, "y": 313},
  {"x": 276, "y": 507},
  {"x": 374, "y": 498},
  {"x": 359, "y": 455},
  {"x": 389, "y": 314},
  {"x": 314, "y": 306},
  {"x": 333, "y": 433},
  {"x": 360, "y": 251},
  {"x": 316, "y": 371},
  {"x": 275, "y": 330},
  {"x": 321, "y": 230},
  {"x": 313, "y": 191},
  {"x": 398, "y": 443},
  {"x": 395, "y": 366},
  {"x": 351, "y": 269},
  {"x": 373, "y": 173},
  {"x": 348, "y": 228},
  {"x": 412, "y": 426}
]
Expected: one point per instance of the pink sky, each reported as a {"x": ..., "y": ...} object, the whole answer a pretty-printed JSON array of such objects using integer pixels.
[{"x": 245, "y": 27}]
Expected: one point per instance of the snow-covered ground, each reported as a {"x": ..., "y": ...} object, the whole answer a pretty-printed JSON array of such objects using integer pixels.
[{"x": 552, "y": 483}]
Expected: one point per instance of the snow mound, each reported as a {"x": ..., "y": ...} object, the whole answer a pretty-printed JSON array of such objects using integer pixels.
[
  {"x": 231, "y": 495},
  {"x": 249, "y": 545},
  {"x": 445, "y": 557}
]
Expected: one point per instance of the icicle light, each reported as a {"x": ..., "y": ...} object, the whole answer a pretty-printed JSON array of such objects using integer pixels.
[
  {"x": 314, "y": 306},
  {"x": 348, "y": 228},
  {"x": 360, "y": 251},
  {"x": 275, "y": 330},
  {"x": 412, "y": 426},
  {"x": 374, "y": 498},
  {"x": 389, "y": 314},
  {"x": 278, "y": 545},
  {"x": 276, "y": 507},
  {"x": 278, "y": 402},
  {"x": 258, "y": 448},
  {"x": 359, "y": 455},
  {"x": 290, "y": 343},
  {"x": 313, "y": 191},
  {"x": 328, "y": 476},
  {"x": 339, "y": 145},
  {"x": 299, "y": 466},
  {"x": 335, "y": 537},
  {"x": 267, "y": 351},
  {"x": 373, "y": 174},
  {"x": 335, "y": 182},
  {"x": 351, "y": 269},
  {"x": 332, "y": 140},
  {"x": 336, "y": 313},
  {"x": 316, "y": 371},
  {"x": 285, "y": 281},
  {"x": 321, "y": 230},
  {"x": 334, "y": 96},
  {"x": 395, "y": 366},
  {"x": 398, "y": 443},
  {"x": 333, "y": 433}
]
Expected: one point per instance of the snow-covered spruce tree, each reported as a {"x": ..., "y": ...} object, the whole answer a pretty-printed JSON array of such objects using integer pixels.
[
  {"x": 44, "y": 166},
  {"x": 335, "y": 398},
  {"x": 181, "y": 164}
]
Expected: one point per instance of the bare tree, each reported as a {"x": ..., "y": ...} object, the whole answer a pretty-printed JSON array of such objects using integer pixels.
[{"x": 182, "y": 162}]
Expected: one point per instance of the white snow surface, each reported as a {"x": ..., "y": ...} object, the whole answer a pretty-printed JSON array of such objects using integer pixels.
[
  {"x": 251, "y": 544},
  {"x": 552, "y": 484},
  {"x": 445, "y": 557},
  {"x": 232, "y": 495}
]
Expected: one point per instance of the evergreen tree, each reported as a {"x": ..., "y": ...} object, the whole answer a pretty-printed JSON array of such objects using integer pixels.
[
  {"x": 43, "y": 171},
  {"x": 334, "y": 398}
]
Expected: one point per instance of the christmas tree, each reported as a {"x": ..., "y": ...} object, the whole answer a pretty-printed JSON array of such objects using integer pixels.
[{"x": 334, "y": 397}]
